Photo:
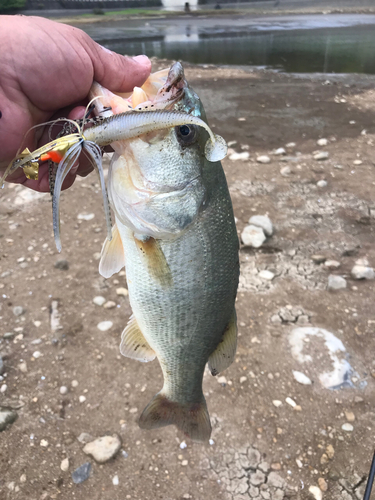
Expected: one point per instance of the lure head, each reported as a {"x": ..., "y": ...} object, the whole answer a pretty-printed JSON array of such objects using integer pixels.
[{"x": 157, "y": 182}]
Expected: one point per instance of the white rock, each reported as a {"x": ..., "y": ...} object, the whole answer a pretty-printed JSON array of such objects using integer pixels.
[
  {"x": 363, "y": 272},
  {"x": 253, "y": 236},
  {"x": 239, "y": 156},
  {"x": 286, "y": 171},
  {"x": 63, "y": 390},
  {"x": 291, "y": 145},
  {"x": 183, "y": 445},
  {"x": 291, "y": 402},
  {"x": 122, "y": 291},
  {"x": 357, "y": 162},
  {"x": 37, "y": 323},
  {"x": 231, "y": 143},
  {"x": 222, "y": 380},
  {"x": 263, "y": 159},
  {"x": 85, "y": 216},
  {"x": 37, "y": 354},
  {"x": 64, "y": 466},
  {"x": 44, "y": 443},
  {"x": 301, "y": 378},
  {"x": 82, "y": 399},
  {"x": 332, "y": 264},
  {"x": 362, "y": 262},
  {"x": 266, "y": 275},
  {"x": 262, "y": 221},
  {"x": 110, "y": 304},
  {"x": 279, "y": 151},
  {"x": 336, "y": 282},
  {"x": 115, "y": 480},
  {"x": 103, "y": 326},
  {"x": 99, "y": 300},
  {"x": 22, "y": 367},
  {"x": 347, "y": 427},
  {"x": 103, "y": 448},
  {"x": 3, "y": 388},
  {"x": 277, "y": 403},
  {"x": 243, "y": 379},
  {"x": 322, "y": 183},
  {"x": 322, "y": 142},
  {"x": 316, "y": 492},
  {"x": 322, "y": 155},
  {"x": 74, "y": 383}
]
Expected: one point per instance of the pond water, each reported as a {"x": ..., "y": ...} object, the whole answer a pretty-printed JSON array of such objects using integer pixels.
[{"x": 298, "y": 44}]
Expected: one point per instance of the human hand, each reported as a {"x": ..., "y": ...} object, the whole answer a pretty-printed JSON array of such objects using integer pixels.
[{"x": 46, "y": 71}]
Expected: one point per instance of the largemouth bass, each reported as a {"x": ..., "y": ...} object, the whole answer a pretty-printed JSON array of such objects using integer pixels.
[{"x": 175, "y": 234}]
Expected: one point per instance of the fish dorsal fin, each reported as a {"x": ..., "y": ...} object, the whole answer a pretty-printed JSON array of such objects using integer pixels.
[
  {"x": 150, "y": 252},
  {"x": 223, "y": 355},
  {"x": 112, "y": 258},
  {"x": 134, "y": 345}
]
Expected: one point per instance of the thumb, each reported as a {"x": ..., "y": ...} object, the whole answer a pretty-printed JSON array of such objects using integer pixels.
[{"x": 116, "y": 72}]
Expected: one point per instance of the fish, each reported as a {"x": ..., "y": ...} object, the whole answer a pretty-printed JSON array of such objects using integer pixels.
[{"x": 175, "y": 234}]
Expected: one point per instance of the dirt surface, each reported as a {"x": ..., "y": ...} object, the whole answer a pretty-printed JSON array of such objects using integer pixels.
[{"x": 262, "y": 447}]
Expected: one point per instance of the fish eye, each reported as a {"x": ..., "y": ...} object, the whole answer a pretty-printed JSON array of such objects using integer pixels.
[{"x": 186, "y": 134}]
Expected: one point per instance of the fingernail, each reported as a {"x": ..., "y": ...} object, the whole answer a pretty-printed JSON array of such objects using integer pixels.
[{"x": 141, "y": 59}]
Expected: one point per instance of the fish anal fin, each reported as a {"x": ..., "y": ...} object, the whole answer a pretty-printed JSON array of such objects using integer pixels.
[
  {"x": 191, "y": 418},
  {"x": 112, "y": 258},
  {"x": 133, "y": 343},
  {"x": 150, "y": 251},
  {"x": 223, "y": 355}
]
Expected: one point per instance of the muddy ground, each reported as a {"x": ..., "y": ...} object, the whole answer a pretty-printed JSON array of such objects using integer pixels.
[{"x": 261, "y": 446}]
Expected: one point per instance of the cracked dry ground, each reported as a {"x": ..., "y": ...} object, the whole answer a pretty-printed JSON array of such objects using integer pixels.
[{"x": 259, "y": 450}]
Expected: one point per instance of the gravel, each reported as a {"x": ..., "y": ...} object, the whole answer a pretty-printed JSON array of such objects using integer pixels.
[
  {"x": 263, "y": 159},
  {"x": 322, "y": 155},
  {"x": 253, "y": 236},
  {"x": 62, "y": 264},
  {"x": 82, "y": 473},
  {"x": 103, "y": 448},
  {"x": 103, "y": 326},
  {"x": 264, "y": 222},
  {"x": 336, "y": 282},
  {"x": 7, "y": 417},
  {"x": 362, "y": 272},
  {"x": 99, "y": 300},
  {"x": 18, "y": 310}
]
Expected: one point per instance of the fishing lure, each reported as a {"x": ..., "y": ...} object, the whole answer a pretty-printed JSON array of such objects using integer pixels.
[{"x": 66, "y": 150}]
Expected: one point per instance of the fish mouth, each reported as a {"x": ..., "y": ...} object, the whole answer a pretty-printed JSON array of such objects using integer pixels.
[{"x": 162, "y": 90}]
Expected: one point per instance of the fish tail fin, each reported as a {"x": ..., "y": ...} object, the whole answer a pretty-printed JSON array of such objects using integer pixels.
[{"x": 192, "y": 419}]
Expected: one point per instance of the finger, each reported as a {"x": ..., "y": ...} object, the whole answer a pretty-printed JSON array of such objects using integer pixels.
[{"x": 116, "y": 72}]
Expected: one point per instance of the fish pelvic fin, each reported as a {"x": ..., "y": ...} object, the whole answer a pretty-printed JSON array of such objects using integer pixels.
[
  {"x": 133, "y": 343},
  {"x": 191, "y": 418},
  {"x": 112, "y": 257},
  {"x": 223, "y": 355}
]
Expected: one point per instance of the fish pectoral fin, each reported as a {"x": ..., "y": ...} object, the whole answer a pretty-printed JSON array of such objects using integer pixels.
[
  {"x": 133, "y": 343},
  {"x": 223, "y": 355},
  {"x": 150, "y": 251},
  {"x": 112, "y": 258}
]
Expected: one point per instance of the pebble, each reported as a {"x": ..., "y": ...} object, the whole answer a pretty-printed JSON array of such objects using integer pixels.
[
  {"x": 318, "y": 259},
  {"x": 62, "y": 264},
  {"x": 291, "y": 402},
  {"x": 44, "y": 443},
  {"x": 347, "y": 427},
  {"x": 84, "y": 437},
  {"x": 332, "y": 264},
  {"x": 264, "y": 222},
  {"x": 63, "y": 390},
  {"x": 253, "y": 236},
  {"x": 222, "y": 380},
  {"x": 277, "y": 403},
  {"x": 82, "y": 473},
  {"x": 323, "y": 484},
  {"x": 330, "y": 451},
  {"x": 99, "y": 300},
  {"x": 103, "y": 326},
  {"x": 357, "y": 162},
  {"x": 115, "y": 480},
  {"x": 316, "y": 492},
  {"x": 350, "y": 417},
  {"x": 85, "y": 216},
  {"x": 37, "y": 323},
  {"x": 22, "y": 367},
  {"x": 285, "y": 171},
  {"x": 263, "y": 159},
  {"x": 110, "y": 304},
  {"x": 37, "y": 354},
  {"x": 322, "y": 183},
  {"x": 103, "y": 448},
  {"x": 291, "y": 145},
  {"x": 18, "y": 310},
  {"x": 64, "y": 466},
  {"x": 82, "y": 399},
  {"x": 362, "y": 272},
  {"x": 122, "y": 292},
  {"x": 279, "y": 151},
  {"x": 74, "y": 383},
  {"x": 266, "y": 275},
  {"x": 322, "y": 155},
  {"x": 301, "y": 378},
  {"x": 322, "y": 142},
  {"x": 183, "y": 445},
  {"x": 7, "y": 417},
  {"x": 23, "y": 478},
  {"x": 336, "y": 282},
  {"x": 243, "y": 379},
  {"x": 239, "y": 156}
]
